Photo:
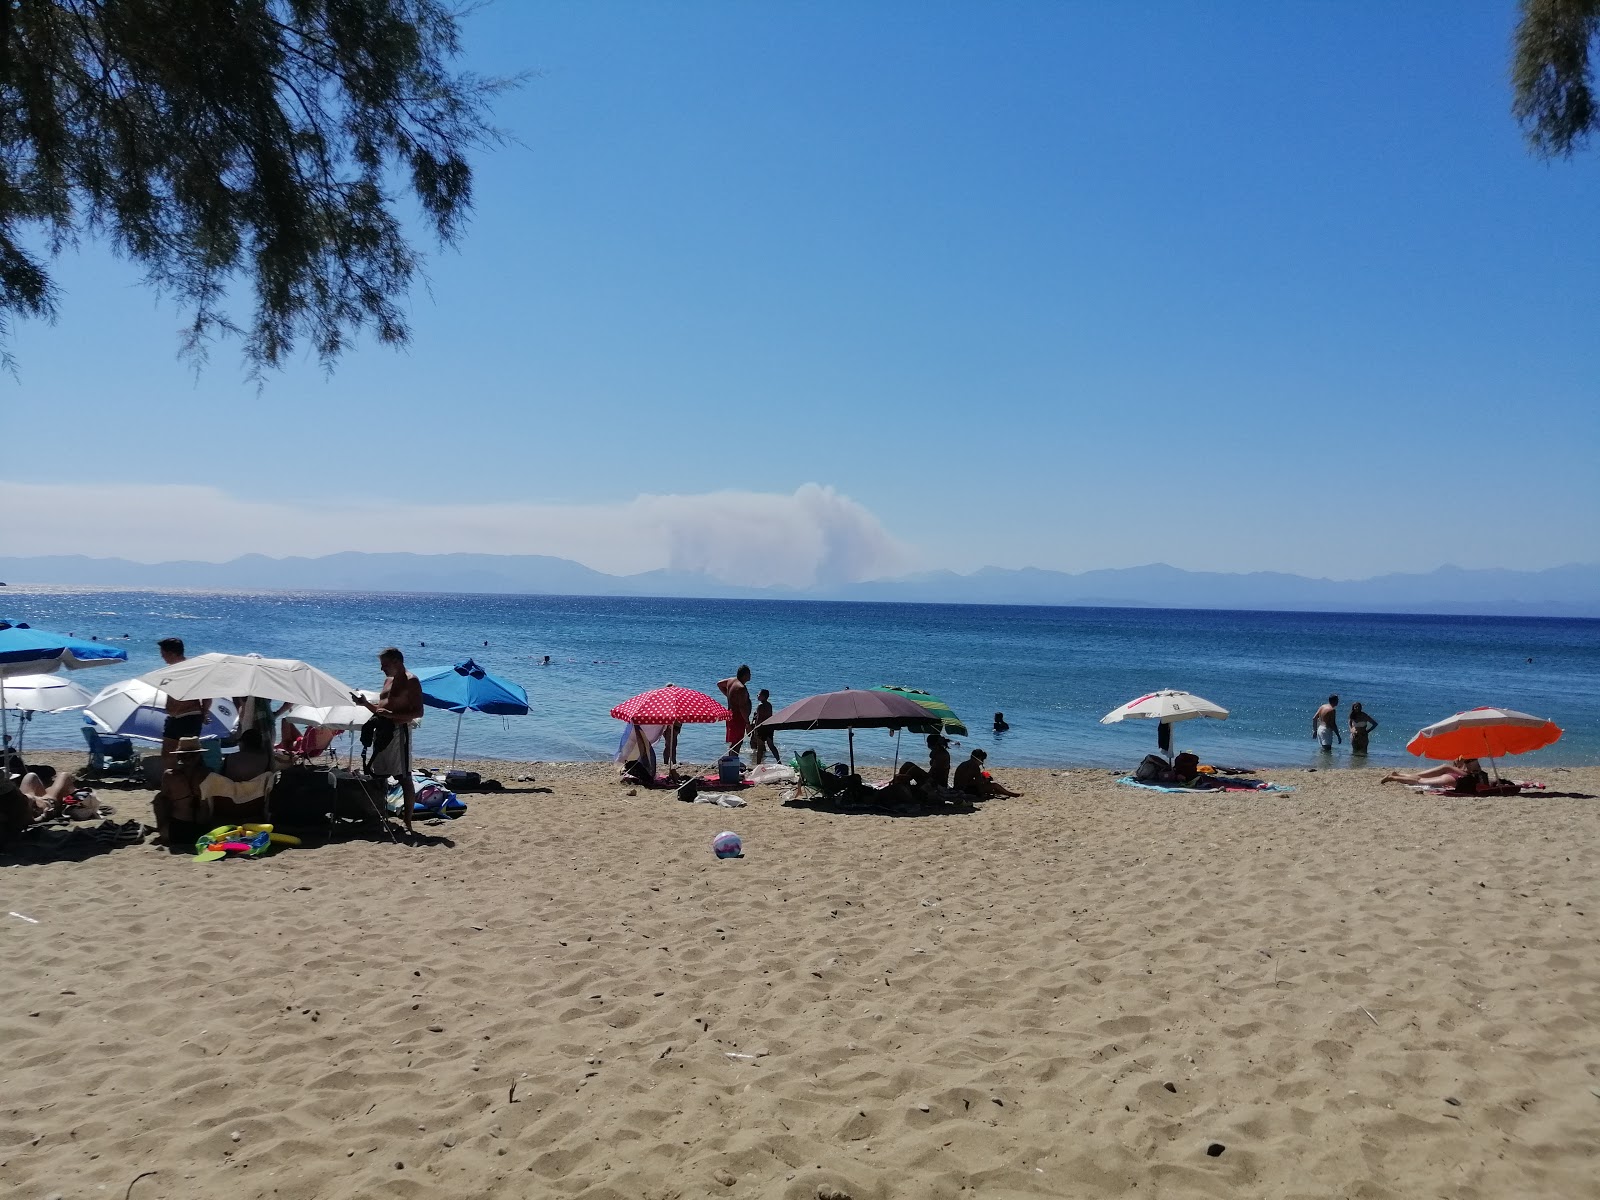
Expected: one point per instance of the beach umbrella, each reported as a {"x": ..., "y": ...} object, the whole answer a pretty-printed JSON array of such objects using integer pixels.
[
  {"x": 1484, "y": 733},
  {"x": 25, "y": 650},
  {"x": 852, "y": 710},
  {"x": 671, "y": 705},
  {"x": 467, "y": 687},
  {"x": 935, "y": 707},
  {"x": 1165, "y": 707},
  {"x": 136, "y": 709},
  {"x": 334, "y": 716},
  {"x": 214, "y": 676},
  {"x": 45, "y": 693},
  {"x": 29, "y": 694}
]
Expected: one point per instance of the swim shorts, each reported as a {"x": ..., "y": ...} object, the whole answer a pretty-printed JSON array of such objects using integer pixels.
[{"x": 183, "y": 725}]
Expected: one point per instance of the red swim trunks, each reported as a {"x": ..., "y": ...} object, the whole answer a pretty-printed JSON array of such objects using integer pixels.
[{"x": 736, "y": 730}]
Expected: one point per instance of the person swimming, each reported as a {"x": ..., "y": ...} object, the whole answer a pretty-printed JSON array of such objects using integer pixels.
[{"x": 1000, "y": 725}]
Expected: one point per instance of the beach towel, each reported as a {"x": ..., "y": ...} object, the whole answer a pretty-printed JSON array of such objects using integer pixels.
[
  {"x": 715, "y": 783},
  {"x": 1503, "y": 787},
  {"x": 1231, "y": 785}
]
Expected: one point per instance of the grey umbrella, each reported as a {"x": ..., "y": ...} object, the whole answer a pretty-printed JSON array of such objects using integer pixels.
[{"x": 853, "y": 710}]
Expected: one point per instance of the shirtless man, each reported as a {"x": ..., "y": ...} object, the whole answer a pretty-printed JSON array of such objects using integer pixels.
[
  {"x": 400, "y": 703},
  {"x": 185, "y": 718},
  {"x": 737, "y": 692},
  {"x": 1325, "y": 723}
]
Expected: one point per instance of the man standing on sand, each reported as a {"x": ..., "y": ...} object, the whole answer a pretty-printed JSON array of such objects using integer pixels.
[
  {"x": 185, "y": 718},
  {"x": 1325, "y": 724},
  {"x": 737, "y": 693},
  {"x": 399, "y": 704}
]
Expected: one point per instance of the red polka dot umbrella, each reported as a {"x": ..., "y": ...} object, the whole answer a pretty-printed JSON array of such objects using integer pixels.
[{"x": 670, "y": 705}]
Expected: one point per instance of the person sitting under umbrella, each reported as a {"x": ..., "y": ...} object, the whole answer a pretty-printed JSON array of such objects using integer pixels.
[
  {"x": 972, "y": 779},
  {"x": 180, "y": 806},
  {"x": 938, "y": 773}
]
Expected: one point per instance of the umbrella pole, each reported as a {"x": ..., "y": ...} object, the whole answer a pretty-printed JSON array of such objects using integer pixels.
[
  {"x": 457, "y": 744},
  {"x": 897, "y": 734},
  {"x": 852, "y": 733}
]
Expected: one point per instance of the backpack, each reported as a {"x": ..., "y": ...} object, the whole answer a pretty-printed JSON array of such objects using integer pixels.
[{"x": 1153, "y": 769}]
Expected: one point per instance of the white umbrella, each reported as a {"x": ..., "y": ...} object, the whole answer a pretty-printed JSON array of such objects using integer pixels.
[
  {"x": 336, "y": 716},
  {"x": 1166, "y": 707},
  {"x": 134, "y": 708},
  {"x": 29, "y": 694},
  {"x": 45, "y": 693},
  {"x": 210, "y": 676}
]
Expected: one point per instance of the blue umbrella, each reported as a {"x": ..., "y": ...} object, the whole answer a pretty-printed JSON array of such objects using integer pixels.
[
  {"x": 467, "y": 687},
  {"x": 25, "y": 650}
]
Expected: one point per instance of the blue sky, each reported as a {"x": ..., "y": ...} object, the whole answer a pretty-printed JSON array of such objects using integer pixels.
[{"x": 1068, "y": 285}]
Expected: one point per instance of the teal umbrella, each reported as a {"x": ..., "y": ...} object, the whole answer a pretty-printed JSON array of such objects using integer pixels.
[{"x": 935, "y": 706}]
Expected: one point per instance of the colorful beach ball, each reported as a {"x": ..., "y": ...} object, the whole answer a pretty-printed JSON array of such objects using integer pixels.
[{"x": 727, "y": 845}]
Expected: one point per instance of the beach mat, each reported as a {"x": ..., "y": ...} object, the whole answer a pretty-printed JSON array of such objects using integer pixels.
[{"x": 1231, "y": 785}]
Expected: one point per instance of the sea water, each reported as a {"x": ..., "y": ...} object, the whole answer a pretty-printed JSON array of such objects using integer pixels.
[{"x": 1054, "y": 672}]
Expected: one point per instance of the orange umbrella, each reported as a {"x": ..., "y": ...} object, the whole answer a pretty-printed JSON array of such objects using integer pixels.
[{"x": 1484, "y": 733}]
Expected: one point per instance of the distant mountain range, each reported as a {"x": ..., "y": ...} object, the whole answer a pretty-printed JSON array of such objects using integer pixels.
[{"x": 1570, "y": 591}]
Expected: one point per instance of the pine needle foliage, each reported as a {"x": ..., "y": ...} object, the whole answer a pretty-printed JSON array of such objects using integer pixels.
[
  {"x": 235, "y": 148},
  {"x": 1552, "y": 74}
]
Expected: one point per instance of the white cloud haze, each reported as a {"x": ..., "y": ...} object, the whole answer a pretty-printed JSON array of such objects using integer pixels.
[{"x": 815, "y": 535}]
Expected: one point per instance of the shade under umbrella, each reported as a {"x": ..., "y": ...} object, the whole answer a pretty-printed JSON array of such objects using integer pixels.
[
  {"x": 1165, "y": 707},
  {"x": 934, "y": 706},
  {"x": 45, "y": 693},
  {"x": 210, "y": 676},
  {"x": 136, "y": 709},
  {"x": 671, "y": 705},
  {"x": 853, "y": 710},
  {"x": 1484, "y": 733},
  {"x": 467, "y": 687}
]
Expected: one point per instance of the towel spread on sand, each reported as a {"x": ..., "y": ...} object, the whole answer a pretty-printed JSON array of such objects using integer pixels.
[{"x": 1231, "y": 785}]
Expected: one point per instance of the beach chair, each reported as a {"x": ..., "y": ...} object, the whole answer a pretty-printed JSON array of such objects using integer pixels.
[
  {"x": 110, "y": 755},
  {"x": 821, "y": 784},
  {"x": 238, "y": 802},
  {"x": 313, "y": 743}
]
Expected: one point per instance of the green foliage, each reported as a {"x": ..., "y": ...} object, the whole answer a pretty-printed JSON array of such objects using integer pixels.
[
  {"x": 233, "y": 146},
  {"x": 1551, "y": 74}
]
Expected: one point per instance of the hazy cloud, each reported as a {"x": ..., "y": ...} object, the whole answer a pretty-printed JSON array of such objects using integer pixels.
[{"x": 814, "y": 535}]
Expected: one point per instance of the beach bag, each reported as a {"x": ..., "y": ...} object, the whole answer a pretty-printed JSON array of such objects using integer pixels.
[
  {"x": 1153, "y": 769},
  {"x": 689, "y": 790},
  {"x": 462, "y": 781}
]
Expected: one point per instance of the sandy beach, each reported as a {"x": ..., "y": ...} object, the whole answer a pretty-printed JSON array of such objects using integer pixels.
[{"x": 1350, "y": 990}]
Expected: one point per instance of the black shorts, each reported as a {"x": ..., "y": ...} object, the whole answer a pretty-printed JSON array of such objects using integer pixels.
[{"x": 182, "y": 726}]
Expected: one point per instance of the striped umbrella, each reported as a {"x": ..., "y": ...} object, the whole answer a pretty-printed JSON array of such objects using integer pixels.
[{"x": 935, "y": 706}]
